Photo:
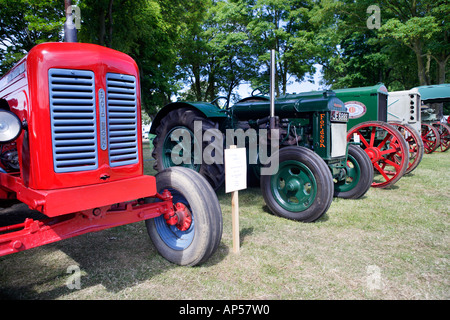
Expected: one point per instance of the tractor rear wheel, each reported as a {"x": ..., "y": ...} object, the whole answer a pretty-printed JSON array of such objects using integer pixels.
[
  {"x": 198, "y": 231},
  {"x": 386, "y": 149},
  {"x": 444, "y": 135},
  {"x": 182, "y": 121},
  {"x": 415, "y": 143},
  {"x": 430, "y": 137},
  {"x": 301, "y": 189},
  {"x": 359, "y": 175}
]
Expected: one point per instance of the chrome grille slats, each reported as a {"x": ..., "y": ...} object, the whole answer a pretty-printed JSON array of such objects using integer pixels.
[{"x": 73, "y": 120}]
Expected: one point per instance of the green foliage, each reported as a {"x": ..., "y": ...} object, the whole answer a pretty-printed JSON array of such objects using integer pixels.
[
  {"x": 142, "y": 30},
  {"x": 25, "y": 23},
  {"x": 199, "y": 49},
  {"x": 411, "y": 48}
]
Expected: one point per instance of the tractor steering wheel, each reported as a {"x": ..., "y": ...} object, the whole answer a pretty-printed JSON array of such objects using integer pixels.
[
  {"x": 215, "y": 102},
  {"x": 263, "y": 90}
]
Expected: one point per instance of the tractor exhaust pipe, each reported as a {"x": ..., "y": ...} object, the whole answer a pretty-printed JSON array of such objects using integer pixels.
[
  {"x": 272, "y": 89},
  {"x": 70, "y": 31}
]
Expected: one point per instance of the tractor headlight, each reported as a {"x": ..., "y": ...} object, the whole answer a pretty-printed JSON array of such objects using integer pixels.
[
  {"x": 10, "y": 126},
  {"x": 338, "y": 139}
]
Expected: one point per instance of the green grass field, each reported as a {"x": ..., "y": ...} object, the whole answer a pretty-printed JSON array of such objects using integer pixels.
[{"x": 391, "y": 244}]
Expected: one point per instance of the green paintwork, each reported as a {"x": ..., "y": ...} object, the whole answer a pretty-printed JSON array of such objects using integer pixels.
[
  {"x": 434, "y": 93},
  {"x": 353, "y": 176},
  {"x": 168, "y": 148},
  {"x": 373, "y": 99},
  {"x": 300, "y": 109},
  {"x": 309, "y": 113},
  {"x": 288, "y": 106},
  {"x": 294, "y": 186},
  {"x": 209, "y": 111}
]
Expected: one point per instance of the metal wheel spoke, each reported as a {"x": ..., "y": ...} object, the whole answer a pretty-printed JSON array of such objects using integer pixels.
[
  {"x": 363, "y": 140},
  {"x": 381, "y": 171},
  {"x": 372, "y": 136},
  {"x": 393, "y": 164},
  {"x": 382, "y": 143},
  {"x": 389, "y": 151}
]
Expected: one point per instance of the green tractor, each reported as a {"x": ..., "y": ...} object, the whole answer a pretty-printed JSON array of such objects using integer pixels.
[
  {"x": 306, "y": 135},
  {"x": 315, "y": 160}
]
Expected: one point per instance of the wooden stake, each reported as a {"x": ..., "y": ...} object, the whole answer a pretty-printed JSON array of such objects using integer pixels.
[
  {"x": 235, "y": 216},
  {"x": 235, "y": 220}
]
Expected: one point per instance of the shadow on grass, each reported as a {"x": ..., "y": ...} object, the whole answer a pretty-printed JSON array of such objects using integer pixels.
[{"x": 116, "y": 259}]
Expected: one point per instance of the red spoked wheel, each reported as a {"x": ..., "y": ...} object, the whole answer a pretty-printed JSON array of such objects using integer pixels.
[
  {"x": 414, "y": 141},
  {"x": 444, "y": 134},
  {"x": 430, "y": 137},
  {"x": 386, "y": 149}
]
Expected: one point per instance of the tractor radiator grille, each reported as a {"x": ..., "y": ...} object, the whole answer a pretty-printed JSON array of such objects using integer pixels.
[
  {"x": 122, "y": 119},
  {"x": 73, "y": 120},
  {"x": 382, "y": 107}
]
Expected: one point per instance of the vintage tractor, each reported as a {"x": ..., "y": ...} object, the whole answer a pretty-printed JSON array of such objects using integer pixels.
[
  {"x": 444, "y": 135},
  {"x": 315, "y": 161},
  {"x": 71, "y": 148},
  {"x": 404, "y": 114},
  {"x": 436, "y": 133},
  {"x": 385, "y": 145}
]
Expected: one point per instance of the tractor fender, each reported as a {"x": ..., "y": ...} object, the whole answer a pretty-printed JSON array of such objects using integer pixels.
[{"x": 207, "y": 109}]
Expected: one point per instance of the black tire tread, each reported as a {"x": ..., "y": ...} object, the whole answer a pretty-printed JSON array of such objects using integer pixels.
[{"x": 214, "y": 173}]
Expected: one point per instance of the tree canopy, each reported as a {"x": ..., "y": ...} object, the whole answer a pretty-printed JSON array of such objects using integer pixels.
[{"x": 199, "y": 49}]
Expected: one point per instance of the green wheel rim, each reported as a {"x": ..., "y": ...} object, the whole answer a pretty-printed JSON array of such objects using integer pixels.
[
  {"x": 294, "y": 187},
  {"x": 353, "y": 176},
  {"x": 172, "y": 159}
]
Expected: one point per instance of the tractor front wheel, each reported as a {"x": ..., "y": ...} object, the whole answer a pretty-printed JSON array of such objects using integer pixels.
[
  {"x": 359, "y": 175},
  {"x": 386, "y": 149},
  {"x": 196, "y": 234},
  {"x": 430, "y": 137},
  {"x": 415, "y": 143},
  {"x": 179, "y": 124},
  {"x": 444, "y": 135},
  {"x": 301, "y": 189}
]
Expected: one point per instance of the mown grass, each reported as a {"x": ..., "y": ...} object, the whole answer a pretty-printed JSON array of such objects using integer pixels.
[{"x": 402, "y": 233}]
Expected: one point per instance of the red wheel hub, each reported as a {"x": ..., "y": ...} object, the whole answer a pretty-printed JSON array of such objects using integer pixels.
[
  {"x": 181, "y": 217},
  {"x": 374, "y": 154}
]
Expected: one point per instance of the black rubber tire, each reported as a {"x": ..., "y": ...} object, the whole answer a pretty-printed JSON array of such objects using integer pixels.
[
  {"x": 184, "y": 117},
  {"x": 356, "y": 154},
  {"x": 324, "y": 184},
  {"x": 206, "y": 212}
]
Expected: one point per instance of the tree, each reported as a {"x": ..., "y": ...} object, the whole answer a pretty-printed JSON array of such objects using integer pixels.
[
  {"x": 423, "y": 27},
  {"x": 231, "y": 45},
  {"x": 215, "y": 52},
  {"x": 195, "y": 60},
  {"x": 284, "y": 26},
  {"x": 413, "y": 33},
  {"x": 145, "y": 30},
  {"x": 25, "y": 23},
  {"x": 354, "y": 55}
]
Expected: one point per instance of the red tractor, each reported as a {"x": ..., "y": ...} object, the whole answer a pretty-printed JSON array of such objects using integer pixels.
[{"x": 71, "y": 148}]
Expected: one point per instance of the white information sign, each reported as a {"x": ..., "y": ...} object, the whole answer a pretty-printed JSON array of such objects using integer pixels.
[{"x": 235, "y": 169}]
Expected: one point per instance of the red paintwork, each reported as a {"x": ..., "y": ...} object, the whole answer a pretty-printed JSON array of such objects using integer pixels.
[
  {"x": 78, "y": 202},
  {"x": 62, "y": 201},
  {"x": 28, "y": 97},
  {"x": 181, "y": 218},
  {"x": 34, "y": 233}
]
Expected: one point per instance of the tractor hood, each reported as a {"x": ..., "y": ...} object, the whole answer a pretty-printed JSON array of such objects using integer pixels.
[{"x": 288, "y": 106}]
